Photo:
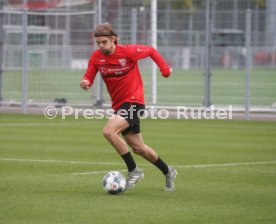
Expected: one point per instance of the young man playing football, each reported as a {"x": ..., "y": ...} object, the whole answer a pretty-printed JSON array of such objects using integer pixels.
[{"x": 118, "y": 67}]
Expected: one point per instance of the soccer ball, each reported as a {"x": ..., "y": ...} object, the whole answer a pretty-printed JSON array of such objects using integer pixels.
[{"x": 114, "y": 182}]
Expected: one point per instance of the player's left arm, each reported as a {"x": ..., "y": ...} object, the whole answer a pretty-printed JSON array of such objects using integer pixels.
[{"x": 137, "y": 52}]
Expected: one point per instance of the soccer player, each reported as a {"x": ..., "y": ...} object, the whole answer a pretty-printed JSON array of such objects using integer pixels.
[{"x": 118, "y": 67}]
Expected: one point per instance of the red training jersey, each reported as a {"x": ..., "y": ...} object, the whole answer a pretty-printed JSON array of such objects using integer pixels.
[{"x": 121, "y": 74}]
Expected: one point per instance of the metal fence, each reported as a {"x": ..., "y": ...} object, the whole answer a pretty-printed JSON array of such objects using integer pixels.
[{"x": 59, "y": 41}]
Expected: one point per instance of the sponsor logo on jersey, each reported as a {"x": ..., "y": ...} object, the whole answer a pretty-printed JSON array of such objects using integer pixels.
[
  {"x": 103, "y": 70},
  {"x": 142, "y": 50},
  {"x": 122, "y": 61}
]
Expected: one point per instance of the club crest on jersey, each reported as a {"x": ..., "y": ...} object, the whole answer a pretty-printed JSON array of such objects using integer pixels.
[{"x": 122, "y": 61}]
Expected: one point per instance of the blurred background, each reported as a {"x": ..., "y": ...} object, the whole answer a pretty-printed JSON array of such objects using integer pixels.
[{"x": 223, "y": 51}]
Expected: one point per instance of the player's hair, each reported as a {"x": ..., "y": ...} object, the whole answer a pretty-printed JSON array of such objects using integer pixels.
[{"x": 105, "y": 30}]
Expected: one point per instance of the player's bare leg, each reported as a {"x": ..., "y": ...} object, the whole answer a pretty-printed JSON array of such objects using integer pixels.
[
  {"x": 136, "y": 142},
  {"x": 111, "y": 132}
]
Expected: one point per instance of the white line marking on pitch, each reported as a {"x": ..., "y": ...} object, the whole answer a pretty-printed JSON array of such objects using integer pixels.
[
  {"x": 96, "y": 172},
  {"x": 36, "y": 124},
  {"x": 195, "y": 166},
  {"x": 226, "y": 164},
  {"x": 59, "y": 161},
  {"x": 122, "y": 164}
]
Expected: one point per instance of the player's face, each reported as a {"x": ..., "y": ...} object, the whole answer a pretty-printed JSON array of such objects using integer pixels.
[{"x": 106, "y": 44}]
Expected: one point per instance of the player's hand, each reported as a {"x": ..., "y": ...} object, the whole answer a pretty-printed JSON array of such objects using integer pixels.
[
  {"x": 85, "y": 84},
  {"x": 166, "y": 75}
]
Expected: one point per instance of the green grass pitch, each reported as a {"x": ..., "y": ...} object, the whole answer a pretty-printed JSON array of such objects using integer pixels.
[{"x": 226, "y": 173}]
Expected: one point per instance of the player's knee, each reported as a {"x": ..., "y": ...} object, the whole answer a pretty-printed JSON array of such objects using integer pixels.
[
  {"x": 138, "y": 149},
  {"x": 107, "y": 133}
]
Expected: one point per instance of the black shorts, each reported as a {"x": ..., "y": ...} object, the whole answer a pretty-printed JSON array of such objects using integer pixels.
[{"x": 131, "y": 113}]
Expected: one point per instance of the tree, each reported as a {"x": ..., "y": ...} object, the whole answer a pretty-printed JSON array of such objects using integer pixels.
[{"x": 260, "y": 3}]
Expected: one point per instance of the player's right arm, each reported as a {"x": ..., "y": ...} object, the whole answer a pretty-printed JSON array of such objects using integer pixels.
[
  {"x": 90, "y": 74},
  {"x": 85, "y": 84}
]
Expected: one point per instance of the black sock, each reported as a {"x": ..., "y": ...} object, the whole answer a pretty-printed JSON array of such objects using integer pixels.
[
  {"x": 159, "y": 163},
  {"x": 131, "y": 165}
]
